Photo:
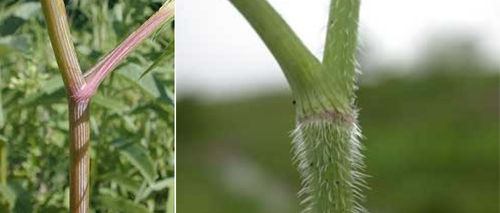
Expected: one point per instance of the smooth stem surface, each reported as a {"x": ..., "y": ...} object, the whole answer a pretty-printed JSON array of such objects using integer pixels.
[
  {"x": 97, "y": 73},
  {"x": 3, "y": 162},
  {"x": 57, "y": 24},
  {"x": 298, "y": 63},
  {"x": 62, "y": 44}
]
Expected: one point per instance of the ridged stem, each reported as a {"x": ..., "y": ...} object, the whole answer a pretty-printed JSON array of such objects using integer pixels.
[
  {"x": 79, "y": 129},
  {"x": 97, "y": 73},
  {"x": 62, "y": 44},
  {"x": 80, "y": 88},
  {"x": 79, "y": 156}
]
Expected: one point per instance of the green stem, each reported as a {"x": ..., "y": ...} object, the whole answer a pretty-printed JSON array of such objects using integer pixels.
[
  {"x": 326, "y": 146},
  {"x": 3, "y": 162},
  {"x": 339, "y": 58},
  {"x": 62, "y": 44},
  {"x": 298, "y": 63}
]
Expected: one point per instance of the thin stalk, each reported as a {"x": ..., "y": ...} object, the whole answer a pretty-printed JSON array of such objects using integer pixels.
[
  {"x": 3, "y": 162},
  {"x": 297, "y": 62},
  {"x": 325, "y": 139},
  {"x": 339, "y": 57},
  {"x": 97, "y": 73}
]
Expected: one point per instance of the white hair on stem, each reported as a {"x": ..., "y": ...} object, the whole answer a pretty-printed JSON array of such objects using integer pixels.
[{"x": 328, "y": 155}]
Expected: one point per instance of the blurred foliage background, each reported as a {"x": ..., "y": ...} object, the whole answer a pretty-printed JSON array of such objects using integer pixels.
[
  {"x": 431, "y": 136},
  {"x": 132, "y": 119}
]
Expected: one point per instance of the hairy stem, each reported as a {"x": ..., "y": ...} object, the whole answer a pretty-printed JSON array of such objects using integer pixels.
[
  {"x": 326, "y": 146},
  {"x": 339, "y": 59}
]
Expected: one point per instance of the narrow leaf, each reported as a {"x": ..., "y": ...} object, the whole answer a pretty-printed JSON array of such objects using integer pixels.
[
  {"x": 131, "y": 73},
  {"x": 118, "y": 204},
  {"x": 167, "y": 54},
  {"x": 139, "y": 157}
]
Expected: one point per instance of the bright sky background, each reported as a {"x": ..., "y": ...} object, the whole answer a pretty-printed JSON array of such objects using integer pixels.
[{"x": 218, "y": 55}]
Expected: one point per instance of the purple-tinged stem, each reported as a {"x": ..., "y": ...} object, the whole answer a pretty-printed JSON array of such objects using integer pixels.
[
  {"x": 81, "y": 88},
  {"x": 97, "y": 73},
  {"x": 79, "y": 128}
]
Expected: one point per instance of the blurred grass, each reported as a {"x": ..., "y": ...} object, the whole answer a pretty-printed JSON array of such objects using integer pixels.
[{"x": 431, "y": 147}]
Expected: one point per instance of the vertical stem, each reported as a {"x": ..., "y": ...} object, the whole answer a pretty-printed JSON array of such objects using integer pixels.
[
  {"x": 339, "y": 60},
  {"x": 64, "y": 50},
  {"x": 57, "y": 24},
  {"x": 326, "y": 138},
  {"x": 79, "y": 155},
  {"x": 3, "y": 162}
]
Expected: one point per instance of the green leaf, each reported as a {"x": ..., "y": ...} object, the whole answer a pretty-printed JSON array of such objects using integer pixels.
[
  {"x": 125, "y": 182},
  {"x": 166, "y": 96},
  {"x": 109, "y": 103},
  {"x": 118, "y": 204},
  {"x": 5, "y": 49},
  {"x": 1, "y": 110},
  {"x": 51, "y": 91},
  {"x": 17, "y": 43},
  {"x": 131, "y": 73},
  {"x": 26, "y": 10},
  {"x": 162, "y": 184},
  {"x": 167, "y": 54},
  {"x": 53, "y": 84},
  {"x": 18, "y": 198},
  {"x": 139, "y": 157}
]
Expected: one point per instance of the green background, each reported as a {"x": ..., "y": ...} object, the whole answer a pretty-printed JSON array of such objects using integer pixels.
[{"x": 431, "y": 141}]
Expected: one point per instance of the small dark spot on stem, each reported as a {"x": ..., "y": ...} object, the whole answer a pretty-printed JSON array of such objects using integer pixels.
[{"x": 294, "y": 102}]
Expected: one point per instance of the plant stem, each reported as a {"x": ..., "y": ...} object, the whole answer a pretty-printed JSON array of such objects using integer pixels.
[
  {"x": 97, "y": 73},
  {"x": 80, "y": 88},
  {"x": 339, "y": 57},
  {"x": 298, "y": 63},
  {"x": 80, "y": 155},
  {"x": 3, "y": 161},
  {"x": 79, "y": 129},
  {"x": 325, "y": 143},
  {"x": 64, "y": 50}
]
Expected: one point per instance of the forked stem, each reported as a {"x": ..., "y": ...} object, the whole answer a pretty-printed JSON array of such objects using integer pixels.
[
  {"x": 325, "y": 143},
  {"x": 80, "y": 88},
  {"x": 97, "y": 73},
  {"x": 79, "y": 129}
]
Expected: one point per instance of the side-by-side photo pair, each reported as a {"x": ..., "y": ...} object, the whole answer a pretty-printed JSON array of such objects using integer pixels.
[{"x": 249, "y": 106}]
